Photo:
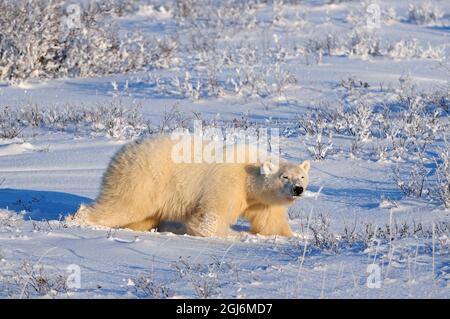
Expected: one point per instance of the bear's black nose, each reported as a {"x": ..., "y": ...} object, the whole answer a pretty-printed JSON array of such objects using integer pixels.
[{"x": 298, "y": 190}]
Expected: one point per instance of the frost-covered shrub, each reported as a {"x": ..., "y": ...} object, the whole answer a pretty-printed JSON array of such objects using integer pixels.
[
  {"x": 248, "y": 80},
  {"x": 280, "y": 17},
  {"x": 364, "y": 42},
  {"x": 242, "y": 71},
  {"x": 407, "y": 49},
  {"x": 11, "y": 125},
  {"x": 253, "y": 75},
  {"x": 352, "y": 83},
  {"x": 425, "y": 13},
  {"x": 368, "y": 235},
  {"x": 443, "y": 174},
  {"x": 360, "y": 41},
  {"x": 29, "y": 39},
  {"x": 236, "y": 15},
  {"x": 441, "y": 100},
  {"x": 414, "y": 183},
  {"x": 313, "y": 123},
  {"x": 65, "y": 118},
  {"x": 32, "y": 116},
  {"x": 421, "y": 117},
  {"x": 281, "y": 80},
  {"x": 355, "y": 119},
  {"x": 359, "y": 119},
  {"x": 316, "y": 126},
  {"x": 404, "y": 49},
  {"x": 187, "y": 87},
  {"x": 174, "y": 119},
  {"x": 44, "y": 39},
  {"x": 146, "y": 287},
  {"x": 187, "y": 9},
  {"x": 411, "y": 123},
  {"x": 329, "y": 45},
  {"x": 230, "y": 14},
  {"x": 321, "y": 148},
  {"x": 203, "y": 278},
  {"x": 32, "y": 281},
  {"x": 418, "y": 122},
  {"x": 248, "y": 75},
  {"x": 323, "y": 237},
  {"x": 404, "y": 127},
  {"x": 116, "y": 120},
  {"x": 164, "y": 53},
  {"x": 119, "y": 8},
  {"x": 433, "y": 53}
]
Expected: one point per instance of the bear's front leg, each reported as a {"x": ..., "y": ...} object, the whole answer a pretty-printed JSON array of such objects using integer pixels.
[{"x": 268, "y": 220}]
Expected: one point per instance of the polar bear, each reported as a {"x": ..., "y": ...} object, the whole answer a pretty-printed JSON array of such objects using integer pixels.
[{"x": 143, "y": 186}]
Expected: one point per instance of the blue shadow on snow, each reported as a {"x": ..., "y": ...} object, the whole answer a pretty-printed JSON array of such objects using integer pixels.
[{"x": 40, "y": 205}]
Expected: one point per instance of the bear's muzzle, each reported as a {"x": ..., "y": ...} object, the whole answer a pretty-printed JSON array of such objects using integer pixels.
[{"x": 297, "y": 190}]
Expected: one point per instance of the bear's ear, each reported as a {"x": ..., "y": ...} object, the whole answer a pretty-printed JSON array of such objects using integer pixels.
[
  {"x": 268, "y": 168},
  {"x": 305, "y": 166}
]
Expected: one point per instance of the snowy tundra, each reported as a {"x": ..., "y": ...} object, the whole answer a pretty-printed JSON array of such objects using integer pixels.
[{"x": 361, "y": 90}]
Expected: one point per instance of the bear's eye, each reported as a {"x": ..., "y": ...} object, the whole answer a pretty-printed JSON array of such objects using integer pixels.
[
  {"x": 303, "y": 176},
  {"x": 285, "y": 177}
]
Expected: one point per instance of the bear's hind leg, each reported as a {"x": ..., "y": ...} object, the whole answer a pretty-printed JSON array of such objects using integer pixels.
[
  {"x": 207, "y": 224},
  {"x": 114, "y": 216},
  {"x": 143, "y": 225}
]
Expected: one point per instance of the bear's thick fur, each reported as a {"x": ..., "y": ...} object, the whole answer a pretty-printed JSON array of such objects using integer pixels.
[{"x": 144, "y": 186}]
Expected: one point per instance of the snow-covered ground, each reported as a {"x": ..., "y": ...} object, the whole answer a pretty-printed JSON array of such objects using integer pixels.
[{"x": 358, "y": 234}]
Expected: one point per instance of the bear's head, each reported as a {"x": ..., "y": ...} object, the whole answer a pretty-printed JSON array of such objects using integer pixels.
[{"x": 282, "y": 184}]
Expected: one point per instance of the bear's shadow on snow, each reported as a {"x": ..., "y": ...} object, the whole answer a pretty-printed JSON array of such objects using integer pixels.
[
  {"x": 136, "y": 89},
  {"x": 362, "y": 197},
  {"x": 40, "y": 205},
  {"x": 179, "y": 228},
  {"x": 48, "y": 205}
]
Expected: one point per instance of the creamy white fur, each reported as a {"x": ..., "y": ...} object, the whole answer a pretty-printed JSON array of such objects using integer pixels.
[{"x": 143, "y": 186}]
